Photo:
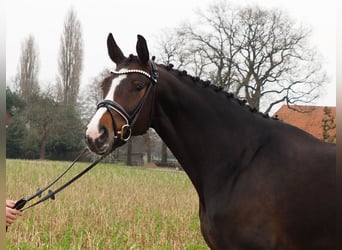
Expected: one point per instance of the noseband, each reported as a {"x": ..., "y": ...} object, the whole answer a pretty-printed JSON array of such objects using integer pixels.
[{"x": 124, "y": 134}]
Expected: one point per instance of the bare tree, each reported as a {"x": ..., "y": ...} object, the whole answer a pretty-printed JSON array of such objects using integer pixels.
[
  {"x": 260, "y": 55},
  {"x": 26, "y": 80},
  {"x": 70, "y": 60}
]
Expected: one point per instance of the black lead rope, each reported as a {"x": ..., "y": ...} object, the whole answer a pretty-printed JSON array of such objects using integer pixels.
[
  {"x": 51, "y": 194},
  {"x": 22, "y": 202}
]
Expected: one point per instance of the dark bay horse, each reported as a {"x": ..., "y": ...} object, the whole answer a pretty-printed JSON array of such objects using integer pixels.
[{"x": 262, "y": 184}]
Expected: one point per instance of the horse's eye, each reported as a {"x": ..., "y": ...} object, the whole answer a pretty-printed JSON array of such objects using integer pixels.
[{"x": 139, "y": 86}]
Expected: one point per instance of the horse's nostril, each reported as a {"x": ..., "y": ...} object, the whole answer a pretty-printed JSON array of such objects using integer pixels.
[
  {"x": 103, "y": 130},
  {"x": 103, "y": 136},
  {"x": 88, "y": 140}
]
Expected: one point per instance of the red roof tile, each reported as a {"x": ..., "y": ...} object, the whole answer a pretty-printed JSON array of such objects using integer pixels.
[{"x": 309, "y": 118}]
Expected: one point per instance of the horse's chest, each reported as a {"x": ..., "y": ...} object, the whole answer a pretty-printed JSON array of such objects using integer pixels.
[{"x": 229, "y": 231}]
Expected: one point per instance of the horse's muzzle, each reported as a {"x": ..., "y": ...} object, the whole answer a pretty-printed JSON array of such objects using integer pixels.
[{"x": 99, "y": 144}]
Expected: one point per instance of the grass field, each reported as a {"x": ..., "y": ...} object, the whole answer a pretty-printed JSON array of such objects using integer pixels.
[{"x": 111, "y": 207}]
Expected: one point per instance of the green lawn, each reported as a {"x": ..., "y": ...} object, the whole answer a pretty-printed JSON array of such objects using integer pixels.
[{"x": 111, "y": 207}]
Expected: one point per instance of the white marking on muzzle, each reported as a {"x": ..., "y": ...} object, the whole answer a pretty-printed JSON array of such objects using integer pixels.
[{"x": 93, "y": 128}]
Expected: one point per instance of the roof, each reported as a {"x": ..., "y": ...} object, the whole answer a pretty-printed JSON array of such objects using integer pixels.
[{"x": 311, "y": 119}]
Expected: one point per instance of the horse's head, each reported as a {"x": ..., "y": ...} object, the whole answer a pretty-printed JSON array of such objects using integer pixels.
[{"x": 127, "y": 99}]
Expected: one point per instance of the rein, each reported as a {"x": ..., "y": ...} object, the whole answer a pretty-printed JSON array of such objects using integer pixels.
[
  {"x": 19, "y": 205},
  {"x": 22, "y": 202},
  {"x": 124, "y": 134}
]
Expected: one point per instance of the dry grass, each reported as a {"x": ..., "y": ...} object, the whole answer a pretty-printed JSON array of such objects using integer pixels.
[{"x": 111, "y": 207}]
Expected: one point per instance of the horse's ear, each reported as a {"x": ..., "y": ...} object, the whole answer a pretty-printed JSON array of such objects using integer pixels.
[
  {"x": 114, "y": 51},
  {"x": 142, "y": 49}
]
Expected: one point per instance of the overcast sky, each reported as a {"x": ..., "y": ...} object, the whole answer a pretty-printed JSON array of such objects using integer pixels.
[{"x": 125, "y": 19}]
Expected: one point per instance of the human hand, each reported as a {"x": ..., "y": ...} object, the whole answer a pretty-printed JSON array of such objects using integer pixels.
[{"x": 11, "y": 213}]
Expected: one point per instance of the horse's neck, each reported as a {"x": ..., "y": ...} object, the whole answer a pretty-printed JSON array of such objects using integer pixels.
[{"x": 199, "y": 125}]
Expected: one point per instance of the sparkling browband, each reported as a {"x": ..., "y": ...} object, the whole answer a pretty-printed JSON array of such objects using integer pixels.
[{"x": 131, "y": 71}]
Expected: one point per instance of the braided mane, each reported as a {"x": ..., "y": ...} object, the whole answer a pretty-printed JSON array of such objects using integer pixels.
[{"x": 208, "y": 84}]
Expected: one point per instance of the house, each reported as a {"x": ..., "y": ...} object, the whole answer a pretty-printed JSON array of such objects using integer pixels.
[{"x": 317, "y": 120}]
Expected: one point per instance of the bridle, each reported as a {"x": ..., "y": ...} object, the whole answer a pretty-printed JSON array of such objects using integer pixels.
[{"x": 123, "y": 134}]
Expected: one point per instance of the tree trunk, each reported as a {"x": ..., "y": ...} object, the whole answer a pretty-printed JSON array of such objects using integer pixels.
[
  {"x": 43, "y": 146},
  {"x": 129, "y": 153},
  {"x": 148, "y": 147},
  {"x": 164, "y": 154}
]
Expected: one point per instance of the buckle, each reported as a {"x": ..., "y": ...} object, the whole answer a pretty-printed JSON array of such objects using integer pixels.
[{"x": 125, "y": 132}]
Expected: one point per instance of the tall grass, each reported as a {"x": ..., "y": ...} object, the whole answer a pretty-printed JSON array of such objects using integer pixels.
[{"x": 111, "y": 207}]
